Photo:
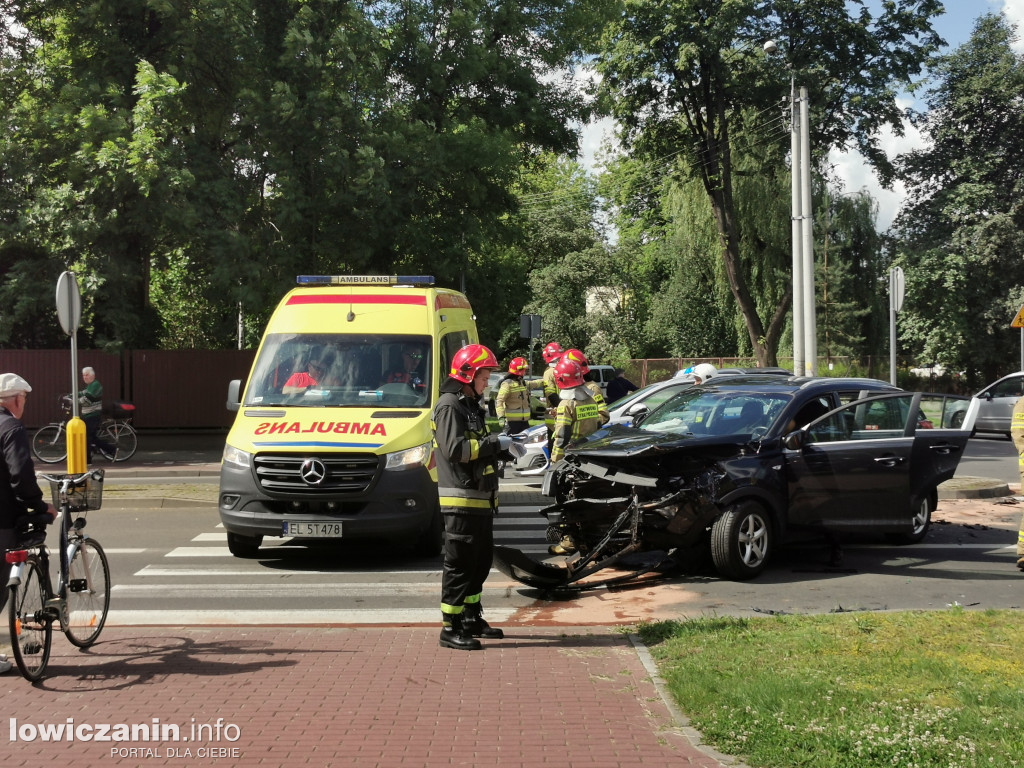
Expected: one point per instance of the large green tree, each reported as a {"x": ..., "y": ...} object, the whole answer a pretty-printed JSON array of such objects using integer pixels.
[
  {"x": 235, "y": 144},
  {"x": 960, "y": 233},
  {"x": 686, "y": 77}
]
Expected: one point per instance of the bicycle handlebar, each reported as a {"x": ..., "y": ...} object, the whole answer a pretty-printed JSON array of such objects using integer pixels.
[{"x": 72, "y": 479}]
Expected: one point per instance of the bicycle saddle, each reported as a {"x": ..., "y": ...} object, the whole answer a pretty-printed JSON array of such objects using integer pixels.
[{"x": 31, "y": 530}]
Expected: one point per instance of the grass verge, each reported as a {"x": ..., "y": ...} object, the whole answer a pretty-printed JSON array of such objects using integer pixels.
[{"x": 913, "y": 689}]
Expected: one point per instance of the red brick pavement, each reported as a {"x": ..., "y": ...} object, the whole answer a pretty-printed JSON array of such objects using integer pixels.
[{"x": 380, "y": 696}]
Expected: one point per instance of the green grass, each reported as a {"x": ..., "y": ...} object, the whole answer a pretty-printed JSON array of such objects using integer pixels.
[{"x": 914, "y": 690}]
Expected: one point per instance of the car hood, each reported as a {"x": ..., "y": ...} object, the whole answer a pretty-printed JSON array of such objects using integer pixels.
[{"x": 618, "y": 442}]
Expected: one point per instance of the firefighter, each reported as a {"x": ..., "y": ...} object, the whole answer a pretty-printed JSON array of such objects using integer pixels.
[
  {"x": 590, "y": 384},
  {"x": 1017, "y": 433},
  {"x": 467, "y": 486},
  {"x": 552, "y": 354},
  {"x": 577, "y": 417},
  {"x": 512, "y": 405}
]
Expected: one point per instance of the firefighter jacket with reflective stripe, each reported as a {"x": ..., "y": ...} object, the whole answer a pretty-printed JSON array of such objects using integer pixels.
[
  {"x": 513, "y": 400},
  {"x": 576, "y": 418},
  {"x": 550, "y": 387},
  {"x": 602, "y": 408},
  {"x": 466, "y": 453}
]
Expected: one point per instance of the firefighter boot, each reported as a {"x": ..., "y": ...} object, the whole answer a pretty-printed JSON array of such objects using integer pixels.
[
  {"x": 564, "y": 547},
  {"x": 454, "y": 634},
  {"x": 473, "y": 622}
]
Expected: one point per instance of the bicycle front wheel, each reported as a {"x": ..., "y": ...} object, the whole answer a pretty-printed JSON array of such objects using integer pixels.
[
  {"x": 31, "y": 629},
  {"x": 50, "y": 444},
  {"x": 88, "y": 593},
  {"x": 122, "y": 435}
]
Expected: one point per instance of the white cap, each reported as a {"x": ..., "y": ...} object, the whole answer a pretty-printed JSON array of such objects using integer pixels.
[{"x": 12, "y": 384}]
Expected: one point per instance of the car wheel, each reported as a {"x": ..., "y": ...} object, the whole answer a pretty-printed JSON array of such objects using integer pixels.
[
  {"x": 741, "y": 541},
  {"x": 244, "y": 546},
  {"x": 920, "y": 522},
  {"x": 957, "y": 419}
]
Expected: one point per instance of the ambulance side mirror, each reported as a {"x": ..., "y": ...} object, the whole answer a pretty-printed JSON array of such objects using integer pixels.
[{"x": 234, "y": 401}]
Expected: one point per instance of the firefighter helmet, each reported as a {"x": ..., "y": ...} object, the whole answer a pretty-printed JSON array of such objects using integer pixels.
[
  {"x": 579, "y": 357},
  {"x": 470, "y": 359},
  {"x": 552, "y": 352},
  {"x": 517, "y": 366},
  {"x": 568, "y": 374}
]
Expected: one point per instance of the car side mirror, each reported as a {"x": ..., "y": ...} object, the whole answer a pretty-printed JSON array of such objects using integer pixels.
[
  {"x": 988, "y": 396},
  {"x": 794, "y": 441},
  {"x": 638, "y": 412},
  {"x": 234, "y": 401}
]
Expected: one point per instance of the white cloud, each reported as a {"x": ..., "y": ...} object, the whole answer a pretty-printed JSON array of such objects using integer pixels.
[
  {"x": 1014, "y": 12},
  {"x": 855, "y": 174}
]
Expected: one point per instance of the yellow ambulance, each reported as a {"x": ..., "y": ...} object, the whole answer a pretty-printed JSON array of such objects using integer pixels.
[{"x": 332, "y": 440}]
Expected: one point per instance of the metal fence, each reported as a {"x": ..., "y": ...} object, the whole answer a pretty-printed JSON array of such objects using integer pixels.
[{"x": 171, "y": 389}]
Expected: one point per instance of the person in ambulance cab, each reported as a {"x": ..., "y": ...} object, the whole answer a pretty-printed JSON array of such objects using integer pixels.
[
  {"x": 315, "y": 374},
  {"x": 409, "y": 372}
]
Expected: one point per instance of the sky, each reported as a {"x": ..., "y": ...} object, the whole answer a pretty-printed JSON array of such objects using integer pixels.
[{"x": 955, "y": 27}]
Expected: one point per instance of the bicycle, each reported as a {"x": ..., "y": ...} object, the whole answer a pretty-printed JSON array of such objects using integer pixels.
[
  {"x": 82, "y": 598},
  {"x": 50, "y": 444}
]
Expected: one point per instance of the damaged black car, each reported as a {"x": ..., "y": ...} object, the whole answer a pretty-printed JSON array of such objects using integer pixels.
[{"x": 729, "y": 469}]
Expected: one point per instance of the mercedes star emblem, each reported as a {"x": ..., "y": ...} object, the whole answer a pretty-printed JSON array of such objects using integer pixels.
[{"x": 313, "y": 471}]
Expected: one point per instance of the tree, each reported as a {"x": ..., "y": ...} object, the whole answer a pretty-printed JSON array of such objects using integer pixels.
[
  {"x": 960, "y": 233},
  {"x": 684, "y": 77},
  {"x": 250, "y": 141}
]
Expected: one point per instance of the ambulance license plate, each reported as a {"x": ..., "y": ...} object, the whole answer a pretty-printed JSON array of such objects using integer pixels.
[{"x": 312, "y": 530}]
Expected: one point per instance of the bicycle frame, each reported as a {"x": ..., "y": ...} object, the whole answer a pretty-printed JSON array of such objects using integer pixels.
[{"x": 57, "y": 602}]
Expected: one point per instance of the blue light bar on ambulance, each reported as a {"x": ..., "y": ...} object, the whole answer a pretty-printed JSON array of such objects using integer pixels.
[{"x": 365, "y": 279}]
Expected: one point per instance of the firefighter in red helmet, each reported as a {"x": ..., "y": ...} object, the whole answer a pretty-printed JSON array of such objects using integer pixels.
[
  {"x": 467, "y": 485},
  {"x": 578, "y": 416},
  {"x": 589, "y": 383},
  {"x": 512, "y": 404}
]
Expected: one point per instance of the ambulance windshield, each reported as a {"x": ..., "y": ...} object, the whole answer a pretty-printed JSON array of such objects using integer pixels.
[{"x": 334, "y": 369}]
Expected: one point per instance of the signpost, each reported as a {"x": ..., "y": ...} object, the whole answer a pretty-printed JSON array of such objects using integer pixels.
[
  {"x": 897, "y": 288},
  {"x": 69, "y": 313},
  {"x": 529, "y": 328},
  {"x": 1018, "y": 322}
]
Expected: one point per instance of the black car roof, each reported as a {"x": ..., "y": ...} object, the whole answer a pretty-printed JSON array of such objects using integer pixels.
[{"x": 780, "y": 383}]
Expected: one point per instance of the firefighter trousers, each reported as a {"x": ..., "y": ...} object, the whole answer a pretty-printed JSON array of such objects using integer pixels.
[{"x": 468, "y": 549}]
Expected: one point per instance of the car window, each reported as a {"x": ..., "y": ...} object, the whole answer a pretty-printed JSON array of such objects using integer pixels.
[
  {"x": 317, "y": 369},
  {"x": 1012, "y": 387},
  {"x": 873, "y": 420}
]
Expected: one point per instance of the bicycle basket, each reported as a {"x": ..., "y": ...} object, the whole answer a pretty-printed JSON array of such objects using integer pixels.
[{"x": 88, "y": 494}]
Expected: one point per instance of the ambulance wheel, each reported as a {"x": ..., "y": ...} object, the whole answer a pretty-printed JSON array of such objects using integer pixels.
[
  {"x": 429, "y": 543},
  {"x": 244, "y": 546}
]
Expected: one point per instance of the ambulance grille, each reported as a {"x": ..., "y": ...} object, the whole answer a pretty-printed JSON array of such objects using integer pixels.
[{"x": 348, "y": 473}]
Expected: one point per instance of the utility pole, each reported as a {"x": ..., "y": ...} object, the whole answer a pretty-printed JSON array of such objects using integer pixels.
[
  {"x": 798, "y": 262},
  {"x": 807, "y": 249}
]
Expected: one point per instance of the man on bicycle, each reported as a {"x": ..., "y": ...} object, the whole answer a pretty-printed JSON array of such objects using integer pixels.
[
  {"x": 19, "y": 492},
  {"x": 90, "y": 402}
]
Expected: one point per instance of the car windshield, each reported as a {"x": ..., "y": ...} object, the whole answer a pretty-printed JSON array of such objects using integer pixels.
[
  {"x": 702, "y": 411},
  {"x": 334, "y": 369}
]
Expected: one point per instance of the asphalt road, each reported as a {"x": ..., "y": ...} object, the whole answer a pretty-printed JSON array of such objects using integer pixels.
[
  {"x": 172, "y": 566},
  {"x": 990, "y": 456}
]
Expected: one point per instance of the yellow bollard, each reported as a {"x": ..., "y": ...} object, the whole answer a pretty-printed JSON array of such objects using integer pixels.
[{"x": 77, "y": 463}]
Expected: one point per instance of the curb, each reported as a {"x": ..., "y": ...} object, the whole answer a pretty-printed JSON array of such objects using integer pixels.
[{"x": 968, "y": 487}]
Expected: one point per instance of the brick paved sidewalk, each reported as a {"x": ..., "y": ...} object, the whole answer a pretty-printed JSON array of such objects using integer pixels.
[{"x": 381, "y": 696}]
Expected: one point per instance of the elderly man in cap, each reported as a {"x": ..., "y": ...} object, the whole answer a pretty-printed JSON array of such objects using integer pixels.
[{"x": 19, "y": 491}]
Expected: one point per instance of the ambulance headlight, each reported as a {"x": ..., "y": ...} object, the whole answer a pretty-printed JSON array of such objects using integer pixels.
[
  {"x": 234, "y": 456},
  {"x": 410, "y": 458}
]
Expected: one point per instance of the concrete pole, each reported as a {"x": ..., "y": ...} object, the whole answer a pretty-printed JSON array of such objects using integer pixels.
[
  {"x": 798, "y": 263},
  {"x": 807, "y": 247}
]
